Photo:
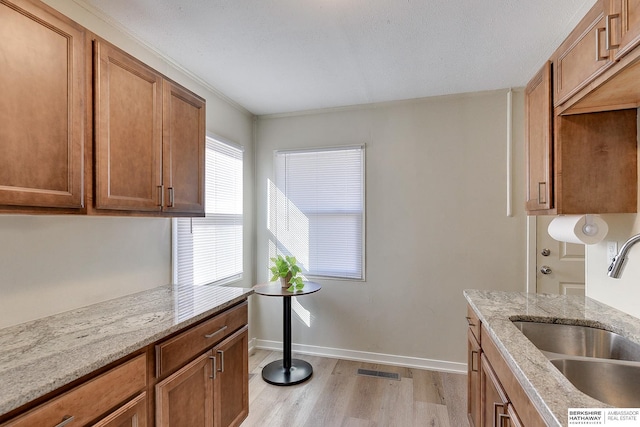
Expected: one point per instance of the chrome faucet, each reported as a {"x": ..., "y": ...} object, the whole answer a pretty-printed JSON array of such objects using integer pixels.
[{"x": 615, "y": 269}]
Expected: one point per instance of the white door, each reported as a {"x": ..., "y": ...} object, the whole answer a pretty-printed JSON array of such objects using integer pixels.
[{"x": 559, "y": 265}]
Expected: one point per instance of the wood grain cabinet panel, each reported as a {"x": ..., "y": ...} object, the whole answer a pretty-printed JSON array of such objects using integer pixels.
[
  {"x": 624, "y": 24},
  {"x": 213, "y": 390},
  {"x": 473, "y": 380},
  {"x": 539, "y": 140},
  {"x": 150, "y": 138},
  {"x": 186, "y": 397},
  {"x": 128, "y": 148},
  {"x": 583, "y": 55},
  {"x": 184, "y": 150},
  {"x": 105, "y": 392},
  {"x": 42, "y": 107},
  {"x": 132, "y": 414},
  {"x": 231, "y": 386}
]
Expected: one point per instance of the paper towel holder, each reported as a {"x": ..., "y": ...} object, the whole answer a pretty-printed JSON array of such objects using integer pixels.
[{"x": 589, "y": 228}]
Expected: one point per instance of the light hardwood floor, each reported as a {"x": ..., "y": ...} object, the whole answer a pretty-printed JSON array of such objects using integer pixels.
[{"x": 337, "y": 396}]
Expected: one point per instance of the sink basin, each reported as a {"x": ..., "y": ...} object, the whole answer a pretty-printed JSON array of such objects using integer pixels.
[
  {"x": 582, "y": 341},
  {"x": 613, "y": 383}
]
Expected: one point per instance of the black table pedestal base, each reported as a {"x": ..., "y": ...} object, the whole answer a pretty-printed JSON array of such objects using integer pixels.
[{"x": 276, "y": 374}]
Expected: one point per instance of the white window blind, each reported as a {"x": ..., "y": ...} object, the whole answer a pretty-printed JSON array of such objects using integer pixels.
[
  {"x": 209, "y": 250},
  {"x": 317, "y": 210}
]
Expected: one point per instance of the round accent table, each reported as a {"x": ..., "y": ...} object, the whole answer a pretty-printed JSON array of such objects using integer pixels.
[{"x": 286, "y": 371}]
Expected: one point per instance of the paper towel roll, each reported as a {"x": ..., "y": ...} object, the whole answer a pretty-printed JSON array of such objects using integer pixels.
[{"x": 581, "y": 229}]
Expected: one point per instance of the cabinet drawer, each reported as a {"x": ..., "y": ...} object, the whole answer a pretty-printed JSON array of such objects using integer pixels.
[
  {"x": 134, "y": 413},
  {"x": 91, "y": 399},
  {"x": 174, "y": 352},
  {"x": 474, "y": 323}
]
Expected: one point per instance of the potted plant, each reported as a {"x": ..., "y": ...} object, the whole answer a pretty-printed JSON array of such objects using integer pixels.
[{"x": 287, "y": 270}]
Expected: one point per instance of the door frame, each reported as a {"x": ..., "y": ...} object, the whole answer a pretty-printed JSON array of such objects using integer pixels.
[{"x": 531, "y": 275}]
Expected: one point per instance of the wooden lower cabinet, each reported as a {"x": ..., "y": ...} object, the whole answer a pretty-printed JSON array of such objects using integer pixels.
[
  {"x": 231, "y": 386},
  {"x": 211, "y": 391},
  {"x": 133, "y": 414},
  {"x": 494, "y": 402},
  {"x": 208, "y": 388},
  {"x": 495, "y": 397},
  {"x": 106, "y": 392},
  {"x": 473, "y": 380},
  {"x": 186, "y": 397}
]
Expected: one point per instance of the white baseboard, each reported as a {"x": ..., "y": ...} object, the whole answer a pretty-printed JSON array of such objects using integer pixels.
[{"x": 364, "y": 356}]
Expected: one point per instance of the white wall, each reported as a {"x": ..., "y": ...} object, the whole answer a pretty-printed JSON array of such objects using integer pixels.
[
  {"x": 622, "y": 293},
  {"x": 436, "y": 223},
  {"x": 50, "y": 264}
]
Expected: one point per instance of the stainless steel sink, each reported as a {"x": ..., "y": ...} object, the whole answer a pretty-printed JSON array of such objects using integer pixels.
[
  {"x": 583, "y": 341},
  {"x": 599, "y": 363},
  {"x": 613, "y": 383}
]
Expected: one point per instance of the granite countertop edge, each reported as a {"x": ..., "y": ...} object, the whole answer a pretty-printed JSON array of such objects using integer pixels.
[
  {"x": 550, "y": 392},
  {"x": 40, "y": 356}
]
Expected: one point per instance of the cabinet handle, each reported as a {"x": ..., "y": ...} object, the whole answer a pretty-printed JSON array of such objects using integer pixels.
[
  {"x": 211, "y": 335},
  {"x": 542, "y": 193},
  {"x": 65, "y": 420},
  {"x": 171, "y": 199},
  {"x": 213, "y": 363},
  {"x": 598, "y": 56},
  {"x": 472, "y": 360},
  {"x": 608, "y": 44},
  {"x": 221, "y": 353},
  {"x": 161, "y": 195},
  {"x": 469, "y": 322},
  {"x": 501, "y": 418},
  {"x": 497, "y": 417}
]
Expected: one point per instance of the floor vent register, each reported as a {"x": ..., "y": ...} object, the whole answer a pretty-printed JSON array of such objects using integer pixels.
[{"x": 379, "y": 374}]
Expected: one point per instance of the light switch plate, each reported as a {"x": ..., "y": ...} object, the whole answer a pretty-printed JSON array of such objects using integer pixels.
[{"x": 612, "y": 251}]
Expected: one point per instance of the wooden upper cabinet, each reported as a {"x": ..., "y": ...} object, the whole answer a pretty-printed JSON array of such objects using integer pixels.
[
  {"x": 42, "y": 107},
  {"x": 596, "y": 163},
  {"x": 539, "y": 141},
  {"x": 150, "y": 138},
  {"x": 583, "y": 55},
  {"x": 184, "y": 150},
  {"x": 624, "y": 26},
  {"x": 128, "y": 135}
]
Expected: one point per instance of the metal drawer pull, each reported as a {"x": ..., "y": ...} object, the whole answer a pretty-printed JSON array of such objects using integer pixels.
[
  {"x": 608, "y": 44},
  {"x": 542, "y": 201},
  {"x": 213, "y": 362},
  {"x": 65, "y": 420},
  {"x": 469, "y": 322},
  {"x": 598, "y": 56},
  {"x": 171, "y": 201},
  {"x": 216, "y": 332},
  {"x": 160, "y": 195},
  {"x": 221, "y": 353},
  {"x": 473, "y": 360}
]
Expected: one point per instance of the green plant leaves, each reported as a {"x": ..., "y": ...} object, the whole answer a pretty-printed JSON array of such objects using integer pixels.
[{"x": 283, "y": 267}]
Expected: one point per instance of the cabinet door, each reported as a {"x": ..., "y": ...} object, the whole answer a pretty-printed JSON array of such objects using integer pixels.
[
  {"x": 186, "y": 397},
  {"x": 133, "y": 414},
  {"x": 583, "y": 55},
  {"x": 624, "y": 23},
  {"x": 494, "y": 400},
  {"x": 183, "y": 150},
  {"x": 473, "y": 380},
  {"x": 42, "y": 115},
  {"x": 232, "y": 379},
  {"x": 539, "y": 141},
  {"x": 128, "y": 121}
]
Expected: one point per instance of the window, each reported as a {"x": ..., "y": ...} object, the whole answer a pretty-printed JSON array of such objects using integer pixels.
[
  {"x": 316, "y": 210},
  {"x": 209, "y": 250}
]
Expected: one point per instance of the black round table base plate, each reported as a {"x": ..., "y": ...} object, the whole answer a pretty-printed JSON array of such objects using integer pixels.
[{"x": 274, "y": 373}]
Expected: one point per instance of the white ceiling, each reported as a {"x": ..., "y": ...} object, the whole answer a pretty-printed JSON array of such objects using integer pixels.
[{"x": 275, "y": 56}]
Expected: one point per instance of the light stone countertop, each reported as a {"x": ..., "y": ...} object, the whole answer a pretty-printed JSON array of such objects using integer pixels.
[
  {"x": 551, "y": 393},
  {"x": 40, "y": 356}
]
